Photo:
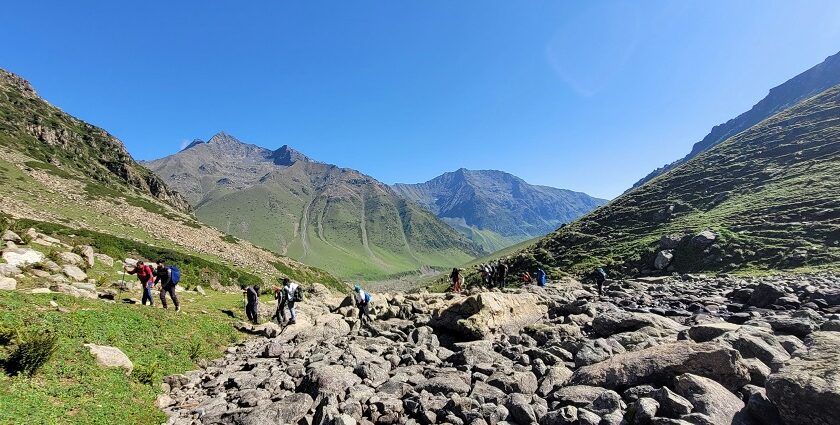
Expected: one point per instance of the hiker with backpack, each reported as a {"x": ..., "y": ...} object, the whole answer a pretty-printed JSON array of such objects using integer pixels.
[
  {"x": 363, "y": 299},
  {"x": 455, "y": 277},
  {"x": 501, "y": 274},
  {"x": 146, "y": 276},
  {"x": 168, "y": 277},
  {"x": 599, "y": 276},
  {"x": 252, "y": 303},
  {"x": 542, "y": 278},
  {"x": 287, "y": 296}
]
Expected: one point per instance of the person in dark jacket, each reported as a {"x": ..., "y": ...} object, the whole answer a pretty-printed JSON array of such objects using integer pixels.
[
  {"x": 455, "y": 277},
  {"x": 252, "y": 303},
  {"x": 146, "y": 276},
  {"x": 163, "y": 276},
  {"x": 599, "y": 276},
  {"x": 501, "y": 272}
]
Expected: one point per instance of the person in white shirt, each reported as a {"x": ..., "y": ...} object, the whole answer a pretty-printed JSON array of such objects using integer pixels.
[{"x": 362, "y": 302}]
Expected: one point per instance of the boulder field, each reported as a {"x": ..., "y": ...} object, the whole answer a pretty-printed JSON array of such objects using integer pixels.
[{"x": 666, "y": 351}]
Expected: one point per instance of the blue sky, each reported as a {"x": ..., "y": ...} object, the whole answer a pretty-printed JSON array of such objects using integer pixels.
[{"x": 588, "y": 96}]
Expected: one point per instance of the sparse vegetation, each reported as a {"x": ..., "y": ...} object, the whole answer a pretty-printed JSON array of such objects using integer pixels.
[
  {"x": 147, "y": 374},
  {"x": 31, "y": 353}
]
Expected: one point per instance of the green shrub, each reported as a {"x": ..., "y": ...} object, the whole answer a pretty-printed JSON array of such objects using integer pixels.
[
  {"x": 230, "y": 239},
  {"x": 8, "y": 335},
  {"x": 31, "y": 354},
  {"x": 147, "y": 374},
  {"x": 53, "y": 255},
  {"x": 195, "y": 349}
]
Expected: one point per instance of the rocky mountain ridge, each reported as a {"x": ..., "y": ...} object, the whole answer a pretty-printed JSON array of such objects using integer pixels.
[
  {"x": 497, "y": 209},
  {"x": 764, "y": 199},
  {"x": 807, "y": 84},
  {"x": 30, "y": 124}
]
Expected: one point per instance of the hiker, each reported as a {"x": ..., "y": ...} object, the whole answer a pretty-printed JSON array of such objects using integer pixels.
[
  {"x": 493, "y": 274},
  {"x": 600, "y": 276},
  {"x": 363, "y": 300},
  {"x": 287, "y": 296},
  {"x": 488, "y": 276},
  {"x": 146, "y": 276},
  {"x": 168, "y": 277},
  {"x": 501, "y": 272},
  {"x": 526, "y": 278},
  {"x": 482, "y": 271},
  {"x": 455, "y": 277},
  {"x": 541, "y": 277},
  {"x": 252, "y": 303}
]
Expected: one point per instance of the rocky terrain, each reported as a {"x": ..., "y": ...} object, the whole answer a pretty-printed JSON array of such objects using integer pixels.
[{"x": 676, "y": 350}]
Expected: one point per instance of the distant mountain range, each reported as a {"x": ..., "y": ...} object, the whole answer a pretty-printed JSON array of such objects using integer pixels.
[
  {"x": 496, "y": 209},
  {"x": 335, "y": 218},
  {"x": 809, "y": 83}
]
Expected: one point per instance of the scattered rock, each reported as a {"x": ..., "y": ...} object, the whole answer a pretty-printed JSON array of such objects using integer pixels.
[
  {"x": 7, "y": 283},
  {"x": 20, "y": 257},
  {"x": 110, "y": 357}
]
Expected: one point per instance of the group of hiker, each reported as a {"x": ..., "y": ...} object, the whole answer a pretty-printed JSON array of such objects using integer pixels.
[
  {"x": 291, "y": 293},
  {"x": 165, "y": 276}
]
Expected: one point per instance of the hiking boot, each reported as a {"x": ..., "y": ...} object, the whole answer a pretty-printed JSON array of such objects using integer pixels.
[
  {"x": 178, "y": 309},
  {"x": 292, "y": 322}
]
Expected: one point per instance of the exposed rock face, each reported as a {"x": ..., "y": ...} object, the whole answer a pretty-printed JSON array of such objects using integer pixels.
[
  {"x": 660, "y": 364},
  {"x": 484, "y": 315},
  {"x": 655, "y": 351},
  {"x": 807, "y": 389}
]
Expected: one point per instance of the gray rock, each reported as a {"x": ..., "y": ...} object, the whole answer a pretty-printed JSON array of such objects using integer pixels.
[
  {"x": 709, "y": 331},
  {"x": 74, "y": 272},
  {"x": 288, "y": 410},
  {"x": 672, "y": 404},
  {"x": 595, "y": 399},
  {"x": 764, "y": 295},
  {"x": 807, "y": 389},
  {"x": 663, "y": 259},
  {"x": 709, "y": 398},
  {"x": 660, "y": 364},
  {"x": 613, "y": 322},
  {"x": 10, "y": 236},
  {"x": 110, "y": 357},
  {"x": 7, "y": 284},
  {"x": 642, "y": 411}
]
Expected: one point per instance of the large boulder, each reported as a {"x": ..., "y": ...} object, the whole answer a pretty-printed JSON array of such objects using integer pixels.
[
  {"x": 75, "y": 273},
  {"x": 20, "y": 257},
  {"x": 288, "y": 410},
  {"x": 110, "y": 357},
  {"x": 807, "y": 389},
  {"x": 709, "y": 398},
  {"x": 7, "y": 283},
  {"x": 765, "y": 294},
  {"x": 70, "y": 258},
  {"x": 484, "y": 315},
  {"x": 330, "y": 380},
  {"x": 658, "y": 365},
  {"x": 663, "y": 259},
  {"x": 617, "y": 321},
  {"x": 10, "y": 236},
  {"x": 9, "y": 270},
  {"x": 86, "y": 251}
]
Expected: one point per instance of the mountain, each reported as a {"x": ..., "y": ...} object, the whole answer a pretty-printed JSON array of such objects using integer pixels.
[
  {"x": 334, "y": 218},
  {"x": 61, "y": 175},
  {"x": 767, "y": 198},
  {"x": 496, "y": 209},
  {"x": 802, "y": 86}
]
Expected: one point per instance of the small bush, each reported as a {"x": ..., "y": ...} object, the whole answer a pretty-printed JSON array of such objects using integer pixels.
[
  {"x": 195, "y": 349},
  {"x": 53, "y": 255},
  {"x": 30, "y": 355},
  {"x": 8, "y": 335},
  {"x": 230, "y": 239},
  {"x": 147, "y": 374}
]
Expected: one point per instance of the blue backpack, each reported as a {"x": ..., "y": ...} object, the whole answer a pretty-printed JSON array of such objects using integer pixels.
[
  {"x": 368, "y": 297},
  {"x": 175, "y": 274}
]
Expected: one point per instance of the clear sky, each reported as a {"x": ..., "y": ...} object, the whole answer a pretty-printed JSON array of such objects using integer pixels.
[{"x": 588, "y": 96}]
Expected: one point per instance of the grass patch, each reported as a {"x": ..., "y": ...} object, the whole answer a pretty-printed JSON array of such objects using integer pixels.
[
  {"x": 71, "y": 389},
  {"x": 50, "y": 168},
  {"x": 311, "y": 275}
]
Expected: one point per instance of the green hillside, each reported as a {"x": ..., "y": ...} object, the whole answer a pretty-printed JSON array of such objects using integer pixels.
[
  {"x": 332, "y": 218},
  {"x": 770, "y": 195},
  {"x": 63, "y": 177}
]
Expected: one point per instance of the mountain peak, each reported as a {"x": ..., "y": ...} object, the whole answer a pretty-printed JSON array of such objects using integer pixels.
[
  {"x": 222, "y": 138},
  {"x": 288, "y": 156},
  {"x": 193, "y": 144}
]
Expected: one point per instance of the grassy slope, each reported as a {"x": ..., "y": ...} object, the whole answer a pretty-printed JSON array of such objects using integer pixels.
[
  {"x": 772, "y": 193},
  {"x": 271, "y": 217},
  {"x": 72, "y": 389}
]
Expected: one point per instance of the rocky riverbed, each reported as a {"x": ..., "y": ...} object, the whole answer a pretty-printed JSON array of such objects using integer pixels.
[{"x": 677, "y": 350}]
